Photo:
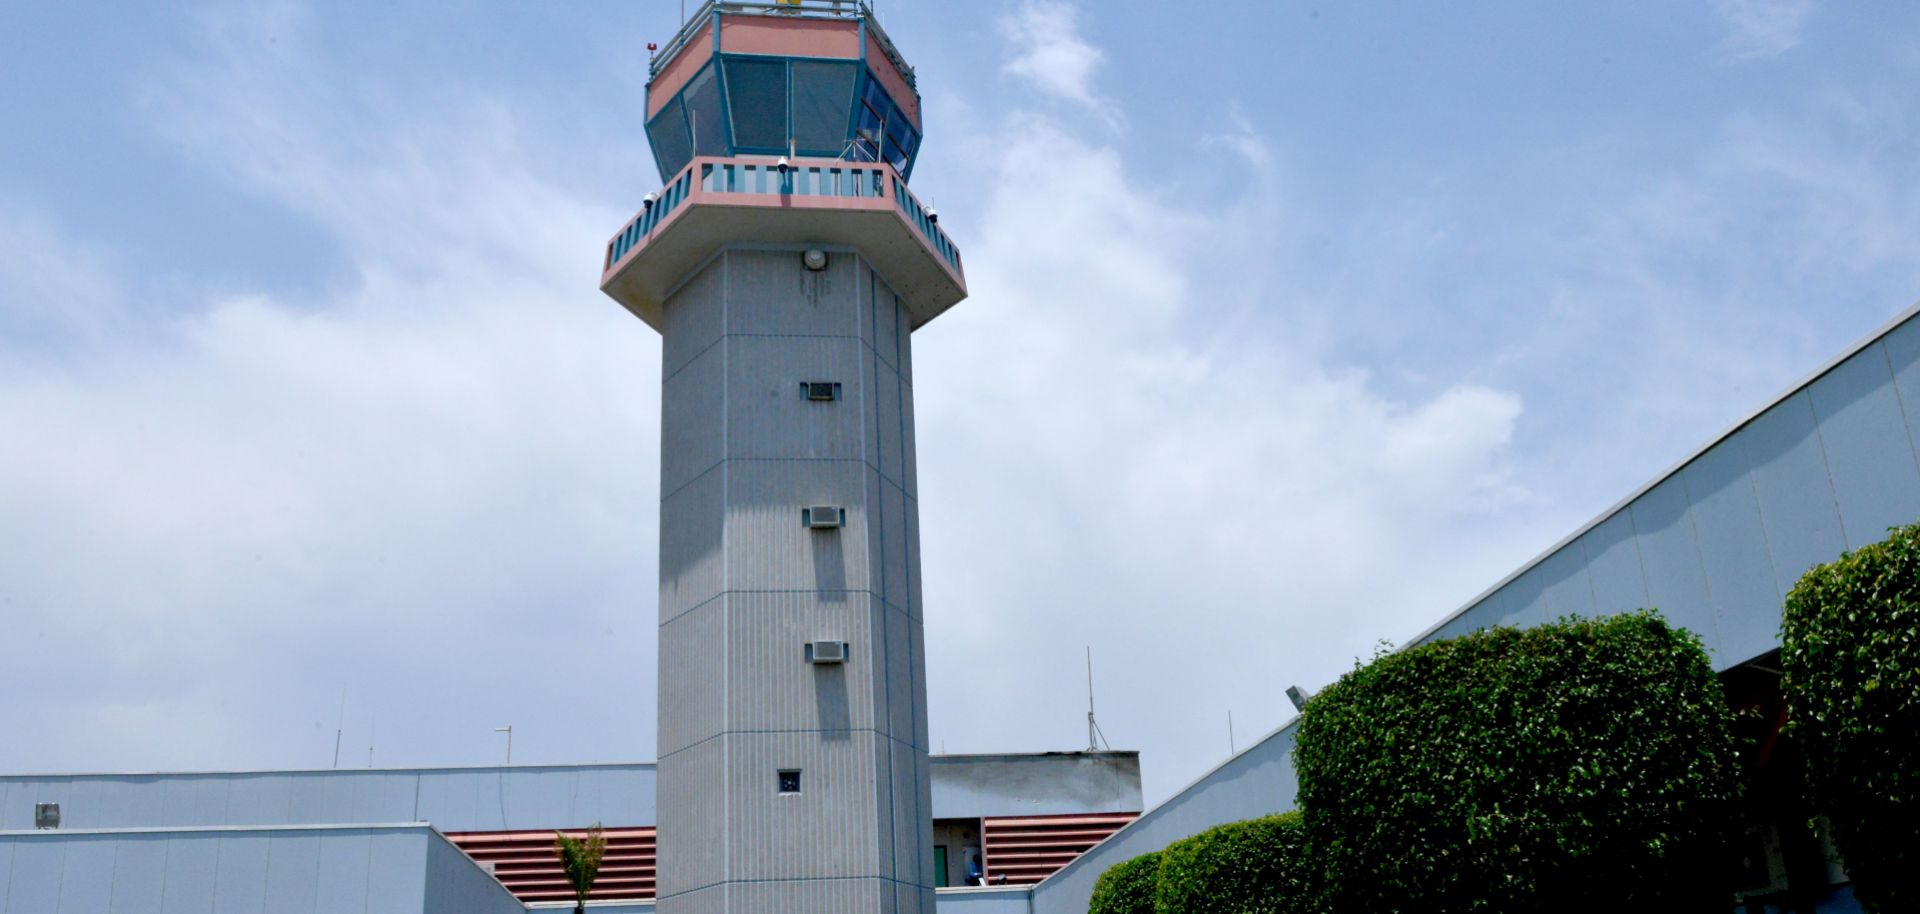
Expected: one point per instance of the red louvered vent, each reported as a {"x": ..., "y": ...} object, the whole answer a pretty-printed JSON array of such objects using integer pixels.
[
  {"x": 1027, "y": 850},
  {"x": 525, "y": 863}
]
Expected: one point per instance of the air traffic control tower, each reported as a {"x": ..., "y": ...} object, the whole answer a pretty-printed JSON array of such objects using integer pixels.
[{"x": 785, "y": 263}]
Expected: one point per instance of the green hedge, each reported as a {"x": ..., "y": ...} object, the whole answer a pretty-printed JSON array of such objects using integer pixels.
[
  {"x": 1259, "y": 866},
  {"x": 1126, "y": 887},
  {"x": 1850, "y": 648},
  {"x": 1581, "y": 763}
]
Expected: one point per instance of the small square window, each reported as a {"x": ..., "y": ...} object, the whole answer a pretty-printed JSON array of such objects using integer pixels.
[
  {"x": 790, "y": 781},
  {"x": 821, "y": 390}
]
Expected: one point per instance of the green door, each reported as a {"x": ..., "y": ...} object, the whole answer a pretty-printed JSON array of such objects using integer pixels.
[{"x": 939, "y": 866}]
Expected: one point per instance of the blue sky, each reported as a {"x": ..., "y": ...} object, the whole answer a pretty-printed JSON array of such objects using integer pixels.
[{"x": 1292, "y": 328}]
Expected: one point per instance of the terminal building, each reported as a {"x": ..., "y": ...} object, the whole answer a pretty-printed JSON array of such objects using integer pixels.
[
  {"x": 468, "y": 840},
  {"x": 786, "y": 263}
]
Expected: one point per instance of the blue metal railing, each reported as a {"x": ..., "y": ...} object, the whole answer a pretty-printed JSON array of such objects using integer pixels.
[
  {"x": 802, "y": 181},
  {"x": 643, "y": 224},
  {"x": 726, "y": 177},
  {"x": 928, "y": 227}
]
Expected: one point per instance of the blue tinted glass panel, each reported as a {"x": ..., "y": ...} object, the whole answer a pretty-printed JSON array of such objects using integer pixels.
[
  {"x": 668, "y": 133},
  {"x": 822, "y": 98},
  {"x": 757, "y": 93},
  {"x": 876, "y": 95},
  {"x": 706, "y": 118}
]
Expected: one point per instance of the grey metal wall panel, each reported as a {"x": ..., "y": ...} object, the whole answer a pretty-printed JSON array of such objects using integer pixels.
[
  {"x": 772, "y": 685},
  {"x": 1526, "y": 600},
  {"x": 820, "y": 896},
  {"x": 190, "y": 882},
  {"x": 893, "y": 544},
  {"x": 139, "y": 869},
  {"x": 898, "y": 671},
  {"x": 1613, "y": 565},
  {"x": 1568, "y": 588},
  {"x": 535, "y": 795},
  {"x": 692, "y": 420},
  {"x": 1733, "y": 552},
  {"x": 1254, "y": 783},
  {"x": 177, "y": 796},
  {"x": 888, "y": 420},
  {"x": 827, "y": 830},
  {"x": 1797, "y": 511},
  {"x": 691, "y": 525},
  {"x": 693, "y": 319},
  {"x": 86, "y": 878},
  {"x": 1869, "y": 450},
  {"x": 910, "y": 469},
  {"x": 1902, "y": 347},
  {"x": 241, "y": 887},
  {"x": 968, "y": 787},
  {"x": 615, "y": 795},
  {"x": 983, "y": 901},
  {"x": 306, "y": 798},
  {"x": 259, "y": 800},
  {"x": 456, "y": 886},
  {"x": 344, "y": 860},
  {"x": 884, "y": 312},
  {"x": 769, "y": 549},
  {"x": 768, "y": 294},
  {"x": 396, "y": 871},
  {"x": 450, "y": 801},
  {"x": 768, "y": 416},
  {"x": 37, "y": 869},
  {"x": 1670, "y": 557},
  {"x": 690, "y": 854},
  {"x": 293, "y": 873},
  {"x": 692, "y": 664}
]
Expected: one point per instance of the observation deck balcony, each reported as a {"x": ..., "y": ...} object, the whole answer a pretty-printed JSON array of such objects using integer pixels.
[{"x": 827, "y": 203}]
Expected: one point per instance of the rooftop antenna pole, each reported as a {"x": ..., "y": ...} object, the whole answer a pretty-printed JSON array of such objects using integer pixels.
[
  {"x": 1095, "y": 738},
  {"x": 508, "y": 730},
  {"x": 369, "y": 741},
  {"x": 1232, "y": 748},
  {"x": 341, "y": 727}
]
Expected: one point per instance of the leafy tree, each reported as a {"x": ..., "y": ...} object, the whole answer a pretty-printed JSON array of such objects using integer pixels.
[
  {"x": 1850, "y": 651},
  {"x": 580, "y": 857},
  {"x": 1585, "y": 765},
  {"x": 1126, "y": 887},
  {"x": 1259, "y": 866}
]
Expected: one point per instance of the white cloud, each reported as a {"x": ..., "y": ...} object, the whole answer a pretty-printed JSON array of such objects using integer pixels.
[
  {"x": 434, "y": 480},
  {"x": 1113, "y": 453},
  {"x": 1047, "y": 50},
  {"x": 1760, "y": 29}
]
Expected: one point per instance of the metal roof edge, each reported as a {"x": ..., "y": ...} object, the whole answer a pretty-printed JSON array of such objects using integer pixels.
[
  {"x": 1806, "y": 381},
  {"x": 1153, "y": 811},
  {"x": 418, "y": 769},
  {"x": 206, "y": 829}
]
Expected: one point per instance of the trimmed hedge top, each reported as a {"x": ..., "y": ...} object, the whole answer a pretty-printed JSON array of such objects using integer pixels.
[
  {"x": 1259, "y": 866},
  {"x": 1583, "y": 763},
  {"x": 1126, "y": 887},
  {"x": 1850, "y": 650}
]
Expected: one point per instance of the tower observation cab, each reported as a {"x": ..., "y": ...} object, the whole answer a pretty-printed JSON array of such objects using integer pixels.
[
  {"x": 794, "y": 121},
  {"x": 814, "y": 78},
  {"x": 786, "y": 265}
]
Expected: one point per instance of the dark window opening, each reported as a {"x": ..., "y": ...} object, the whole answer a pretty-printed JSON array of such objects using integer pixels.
[{"x": 790, "y": 781}]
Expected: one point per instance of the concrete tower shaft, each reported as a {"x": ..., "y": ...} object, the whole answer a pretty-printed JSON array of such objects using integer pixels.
[{"x": 793, "y": 774}]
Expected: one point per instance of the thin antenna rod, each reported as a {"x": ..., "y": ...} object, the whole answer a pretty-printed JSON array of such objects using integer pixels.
[
  {"x": 1095, "y": 738},
  {"x": 341, "y": 727},
  {"x": 369, "y": 741},
  {"x": 1092, "y": 745},
  {"x": 1232, "y": 748}
]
